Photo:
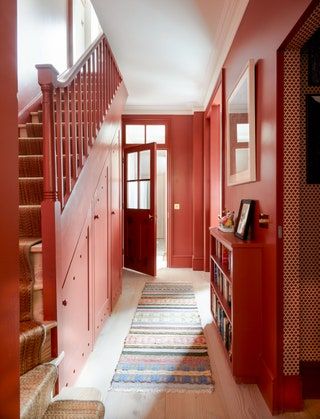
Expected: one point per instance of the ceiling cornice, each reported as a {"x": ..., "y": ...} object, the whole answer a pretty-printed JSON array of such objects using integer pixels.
[
  {"x": 228, "y": 30},
  {"x": 161, "y": 110}
]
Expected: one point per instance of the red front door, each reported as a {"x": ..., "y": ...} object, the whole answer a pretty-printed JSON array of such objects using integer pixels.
[{"x": 140, "y": 209}]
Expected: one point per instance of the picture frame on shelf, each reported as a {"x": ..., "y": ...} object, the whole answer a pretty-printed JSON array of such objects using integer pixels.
[{"x": 244, "y": 219}]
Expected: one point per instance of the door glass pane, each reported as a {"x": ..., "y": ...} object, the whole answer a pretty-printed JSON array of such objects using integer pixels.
[
  {"x": 132, "y": 195},
  {"x": 132, "y": 166},
  {"x": 134, "y": 134},
  {"x": 144, "y": 197},
  {"x": 144, "y": 164},
  {"x": 156, "y": 134}
]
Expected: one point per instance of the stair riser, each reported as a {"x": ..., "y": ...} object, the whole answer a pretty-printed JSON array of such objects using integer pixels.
[
  {"x": 30, "y": 191},
  {"x": 30, "y": 146},
  {"x": 29, "y": 222},
  {"x": 34, "y": 130},
  {"x": 30, "y": 166}
]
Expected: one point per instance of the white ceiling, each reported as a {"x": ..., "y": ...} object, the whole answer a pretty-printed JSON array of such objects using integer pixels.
[{"x": 170, "y": 52}]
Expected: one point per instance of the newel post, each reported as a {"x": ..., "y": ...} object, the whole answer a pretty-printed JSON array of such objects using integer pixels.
[
  {"x": 50, "y": 206},
  {"x": 47, "y": 77}
]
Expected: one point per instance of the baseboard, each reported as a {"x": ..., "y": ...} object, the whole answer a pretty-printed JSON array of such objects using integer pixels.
[
  {"x": 181, "y": 261},
  {"x": 310, "y": 377},
  {"x": 197, "y": 264},
  {"x": 267, "y": 386},
  {"x": 32, "y": 106},
  {"x": 291, "y": 392}
]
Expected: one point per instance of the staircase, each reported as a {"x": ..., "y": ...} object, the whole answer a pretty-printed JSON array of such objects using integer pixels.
[{"x": 53, "y": 147}]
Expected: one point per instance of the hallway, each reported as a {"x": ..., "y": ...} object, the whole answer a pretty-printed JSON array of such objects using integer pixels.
[{"x": 229, "y": 400}]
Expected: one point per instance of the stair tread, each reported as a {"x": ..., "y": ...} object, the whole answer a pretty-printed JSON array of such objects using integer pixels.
[
  {"x": 35, "y": 390},
  {"x": 36, "y": 248}
]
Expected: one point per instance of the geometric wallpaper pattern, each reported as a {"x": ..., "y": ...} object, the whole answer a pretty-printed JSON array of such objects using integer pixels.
[{"x": 301, "y": 213}]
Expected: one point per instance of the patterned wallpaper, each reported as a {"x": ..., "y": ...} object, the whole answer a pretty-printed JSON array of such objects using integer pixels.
[{"x": 301, "y": 225}]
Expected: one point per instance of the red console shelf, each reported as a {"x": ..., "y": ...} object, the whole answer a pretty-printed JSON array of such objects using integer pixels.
[{"x": 235, "y": 275}]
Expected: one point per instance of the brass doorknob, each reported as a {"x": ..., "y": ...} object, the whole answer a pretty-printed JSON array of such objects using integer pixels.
[{"x": 151, "y": 217}]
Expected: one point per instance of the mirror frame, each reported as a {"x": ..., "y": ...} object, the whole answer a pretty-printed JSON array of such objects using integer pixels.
[{"x": 248, "y": 175}]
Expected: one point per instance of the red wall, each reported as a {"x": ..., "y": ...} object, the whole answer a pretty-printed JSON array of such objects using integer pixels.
[
  {"x": 9, "y": 259},
  {"x": 260, "y": 34},
  {"x": 180, "y": 157},
  {"x": 42, "y": 39}
]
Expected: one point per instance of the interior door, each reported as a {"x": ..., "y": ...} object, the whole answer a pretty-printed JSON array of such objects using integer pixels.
[{"x": 140, "y": 209}]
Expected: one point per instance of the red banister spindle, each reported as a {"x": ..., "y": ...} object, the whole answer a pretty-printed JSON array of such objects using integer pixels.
[
  {"x": 101, "y": 84},
  {"x": 109, "y": 77},
  {"x": 104, "y": 98},
  {"x": 58, "y": 121},
  {"x": 47, "y": 76},
  {"x": 74, "y": 132},
  {"x": 98, "y": 87},
  {"x": 95, "y": 92},
  {"x": 105, "y": 62},
  {"x": 79, "y": 121},
  {"x": 85, "y": 109},
  {"x": 66, "y": 112},
  {"x": 90, "y": 100}
]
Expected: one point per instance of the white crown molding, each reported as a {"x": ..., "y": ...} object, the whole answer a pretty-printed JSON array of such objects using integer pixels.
[
  {"x": 161, "y": 110},
  {"x": 227, "y": 32}
]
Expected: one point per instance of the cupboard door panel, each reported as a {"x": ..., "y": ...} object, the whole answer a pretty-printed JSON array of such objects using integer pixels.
[{"x": 101, "y": 294}]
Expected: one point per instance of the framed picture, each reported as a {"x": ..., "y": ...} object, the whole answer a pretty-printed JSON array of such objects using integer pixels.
[{"x": 245, "y": 217}]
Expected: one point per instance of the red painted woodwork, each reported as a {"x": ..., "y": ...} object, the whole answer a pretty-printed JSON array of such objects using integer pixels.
[
  {"x": 213, "y": 163},
  {"x": 100, "y": 251},
  {"x": 76, "y": 219},
  {"x": 261, "y": 32},
  {"x": 180, "y": 147},
  {"x": 116, "y": 220},
  {"x": 9, "y": 264},
  {"x": 42, "y": 38},
  {"x": 140, "y": 224},
  {"x": 74, "y": 321},
  {"x": 60, "y": 106},
  {"x": 197, "y": 190},
  {"x": 244, "y": 279}
]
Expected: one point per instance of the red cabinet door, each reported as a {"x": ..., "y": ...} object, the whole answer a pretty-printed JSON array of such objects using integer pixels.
[{"x": 140, "y": 209}]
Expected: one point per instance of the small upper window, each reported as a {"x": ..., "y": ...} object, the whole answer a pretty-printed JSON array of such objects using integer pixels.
[
  {"x": 142, "y": 134},
  {"x": 135, "y": 134},
  {"x": 156, "y": 134}
]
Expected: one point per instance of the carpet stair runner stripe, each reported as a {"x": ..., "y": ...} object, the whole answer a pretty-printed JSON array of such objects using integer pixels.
[{"x": 165, "y": 349}]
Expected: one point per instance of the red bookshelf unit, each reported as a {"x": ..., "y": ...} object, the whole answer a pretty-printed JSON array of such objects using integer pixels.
[{"x": 235, "y": 281}]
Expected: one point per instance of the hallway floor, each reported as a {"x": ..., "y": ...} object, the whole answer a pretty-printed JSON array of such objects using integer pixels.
[{"x": 229, "y": 400}]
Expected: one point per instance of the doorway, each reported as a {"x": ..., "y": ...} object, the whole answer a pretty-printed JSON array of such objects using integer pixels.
[
  {"x": 162, "y": 209},
  {"x": 146, "y": 239}
]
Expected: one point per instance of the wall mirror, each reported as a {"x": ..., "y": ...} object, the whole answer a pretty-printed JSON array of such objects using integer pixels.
[{"x": 241, "y": 150}]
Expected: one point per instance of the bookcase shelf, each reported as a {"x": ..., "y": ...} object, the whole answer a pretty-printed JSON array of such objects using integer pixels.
[{"x": 235, "y": 276}]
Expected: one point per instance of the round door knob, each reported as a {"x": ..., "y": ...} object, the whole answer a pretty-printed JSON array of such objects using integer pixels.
[
  {"x": 96, "y": 217},
  {"x": 113, "y": 212},
  {"x": 151, "y": 217},
  {"x": 64, "y": 302}
]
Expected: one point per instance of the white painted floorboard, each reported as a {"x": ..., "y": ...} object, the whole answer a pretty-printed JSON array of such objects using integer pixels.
[{"x": 229, "y": 400}]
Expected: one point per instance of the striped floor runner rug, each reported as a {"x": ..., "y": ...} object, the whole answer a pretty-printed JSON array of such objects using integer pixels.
[{"x": 165, "y": 349}]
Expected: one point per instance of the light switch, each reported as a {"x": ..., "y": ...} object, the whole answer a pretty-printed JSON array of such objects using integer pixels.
[{"x": 176, "y": 206}]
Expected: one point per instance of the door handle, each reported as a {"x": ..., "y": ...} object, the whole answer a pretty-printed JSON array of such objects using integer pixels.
[
  {"x": 113, "y": 212},
  {"x": 96, "y": 217},
  {"x": 151, "y": 217}
]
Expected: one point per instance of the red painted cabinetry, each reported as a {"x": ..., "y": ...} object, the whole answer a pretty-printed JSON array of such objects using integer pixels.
[{"x": 235, "y": 281}]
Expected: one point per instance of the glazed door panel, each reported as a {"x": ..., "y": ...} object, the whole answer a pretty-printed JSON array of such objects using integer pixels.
[{"x": 139, "y": 208}]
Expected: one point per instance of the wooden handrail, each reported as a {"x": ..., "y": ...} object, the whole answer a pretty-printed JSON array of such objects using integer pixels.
[{"x": 74, "y": 105}]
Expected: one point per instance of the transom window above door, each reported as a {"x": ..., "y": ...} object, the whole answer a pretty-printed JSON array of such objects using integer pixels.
[{"x": 145, "y": 133}]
